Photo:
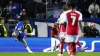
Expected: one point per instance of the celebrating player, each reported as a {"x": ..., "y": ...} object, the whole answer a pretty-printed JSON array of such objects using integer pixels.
[{"x": 20, "y": 34}]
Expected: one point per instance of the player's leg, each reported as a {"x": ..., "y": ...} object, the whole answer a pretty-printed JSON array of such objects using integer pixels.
[
  {"x": 16, "y": 35},
  {"x": 26, "y": 46},
  {"x": 82, "y": 48},
  {"x": 68, "y": 49},
  {"x": 71, "y": 48},
  {"x": 60, "y": 35},
  {"x": 53, "y": 40},
  {"x": 78, "y": 43},
  {"x": 71, "y": 45},
  {"x": 61, "y": 46},
  {"x": 62, "y": 42}
]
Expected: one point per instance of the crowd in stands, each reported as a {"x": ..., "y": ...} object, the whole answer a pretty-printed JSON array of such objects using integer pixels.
[
  {"x": 89, "y": 8},
  {"x": 13, "y": 10},
  {"x": 90, "y": 30},
  {"x": 33, "y": 8},
  {"x": 16, "y": 9}
]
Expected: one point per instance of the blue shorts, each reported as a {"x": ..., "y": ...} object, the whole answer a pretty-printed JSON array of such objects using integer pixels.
[{"x": 21, "y": 36}]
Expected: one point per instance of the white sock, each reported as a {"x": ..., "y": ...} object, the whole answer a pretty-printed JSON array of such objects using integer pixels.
[
  {"x": 28, "y": 49},
  {"x": 60, "y": 54},
  {"x": 72, "y": 55}
]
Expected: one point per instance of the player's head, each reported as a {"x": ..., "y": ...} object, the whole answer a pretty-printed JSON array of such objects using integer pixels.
[
  {"x": 24, "y": 12},
  {"x": 94, "y": 2},
  {"x": 10, "y": 2},
  {"x": 91, "y": 24},
  {"x": 25, "y": 20},
  {"x": 72, "y": 5},
  {"x": 65, "y": 7}
]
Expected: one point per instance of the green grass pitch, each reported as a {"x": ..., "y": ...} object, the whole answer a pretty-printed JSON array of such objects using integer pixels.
[{"x": 46, "y": 54}]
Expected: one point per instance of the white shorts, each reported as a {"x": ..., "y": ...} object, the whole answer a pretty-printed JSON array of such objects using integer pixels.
[
  {"x": 71, "y": 38},
  {"x": 62, "y": 34}
]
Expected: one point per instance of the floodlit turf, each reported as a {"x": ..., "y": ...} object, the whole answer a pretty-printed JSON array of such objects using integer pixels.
[{"x": 46, "y": 54}]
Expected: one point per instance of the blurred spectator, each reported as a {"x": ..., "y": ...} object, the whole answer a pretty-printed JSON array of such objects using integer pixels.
[
  {"x": 37, "y": 0},
  {"x": 55, "y": 31},
  {"x": 31, "y": 7},
  {"x": 6, "y": 15},
  {"x": 21, "y": 15},
  {"x": 56, "y": 12},
  {"x": 9, "y": 7},
  {"x": 41, "y": 10},
  {"x": 49, "y": 2},
  {"x": 13, "y": 8},
  {"x": 90, "y": 30},
  {"x": 85, "y": 28},
  {"x": 3, "y": 3},
  {"x": 65, "y": 1},
  {"x": 23, "y": 2},
  {"x": 53, "y": 1},
  {"x": 44, "y": 1},
  {"x": 3, "y": 31},
  {"x": 0, "y": 8},
  {"x": 0, "y": 14},
  {"x": 28, "y": 29},
  {"x": 94, "y": 10},
  {"x": 83, "y": 8},
  {"x": 57, "y": 1}
]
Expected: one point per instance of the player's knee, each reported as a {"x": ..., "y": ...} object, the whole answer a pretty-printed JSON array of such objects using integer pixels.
[{"x": 23, "y": 41}]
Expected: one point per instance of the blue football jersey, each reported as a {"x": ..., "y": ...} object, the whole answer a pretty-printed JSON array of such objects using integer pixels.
[
  {"x": 19, "y": 26},
  {"x": 19, "y": 30}
]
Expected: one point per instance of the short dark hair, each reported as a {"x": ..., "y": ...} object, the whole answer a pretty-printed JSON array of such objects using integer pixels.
[
  {"x": 65, "y": 7},
  {"x": 72, "y": 4},
  {"x": 24, "y": 18}
]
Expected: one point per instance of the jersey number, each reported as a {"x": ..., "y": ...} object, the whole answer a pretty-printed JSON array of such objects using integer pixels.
[{"x": 73, "y": 19}]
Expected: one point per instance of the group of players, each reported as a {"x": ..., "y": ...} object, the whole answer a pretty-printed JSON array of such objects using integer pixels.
[
  {"x": 68, "y": 35},
  {"x": 70, "y": 29}
]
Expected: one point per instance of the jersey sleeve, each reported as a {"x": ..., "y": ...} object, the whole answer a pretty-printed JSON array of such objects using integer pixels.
[
  {"x": 18, "y": 28},
  {"x": 62, "y": 18},
  {"x": 80, "y": 17}
]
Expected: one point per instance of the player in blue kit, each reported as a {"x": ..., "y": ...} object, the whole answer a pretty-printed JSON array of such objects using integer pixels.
[{"x": 20, "y": 34}]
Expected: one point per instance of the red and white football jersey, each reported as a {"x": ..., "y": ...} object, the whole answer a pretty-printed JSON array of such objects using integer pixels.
[
  {"x": 71, "y": 17},
  {"x": 62, "y": 28}
]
